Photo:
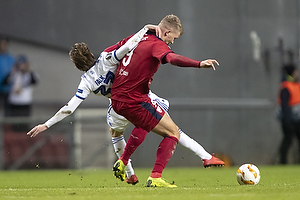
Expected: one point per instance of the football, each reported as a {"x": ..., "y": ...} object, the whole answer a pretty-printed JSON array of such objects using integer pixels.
[{"x": 248, "y": 174}]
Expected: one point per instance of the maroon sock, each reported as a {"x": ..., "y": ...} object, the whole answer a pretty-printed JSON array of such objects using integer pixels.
[
  {"x": 136, "y": 138},
  {"x": 164, "y": 153}
]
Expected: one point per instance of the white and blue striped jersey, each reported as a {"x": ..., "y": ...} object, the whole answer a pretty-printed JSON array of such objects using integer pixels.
[{"x": 98, "y": 79}]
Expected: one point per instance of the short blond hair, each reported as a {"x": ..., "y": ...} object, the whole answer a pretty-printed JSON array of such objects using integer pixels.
[{"x": 171, "y": 22}]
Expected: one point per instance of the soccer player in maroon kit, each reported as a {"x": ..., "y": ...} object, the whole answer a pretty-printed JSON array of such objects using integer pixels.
[{"x": 130, "y": 99}]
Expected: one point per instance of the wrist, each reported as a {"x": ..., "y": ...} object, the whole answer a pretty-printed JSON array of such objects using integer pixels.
[
  {"x": 200, "y": 64},
  {"x": 47, "y": 125},
  {"x": 146, "y": 27}
]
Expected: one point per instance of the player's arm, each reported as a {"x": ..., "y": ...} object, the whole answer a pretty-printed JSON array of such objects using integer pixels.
[
  {"x": 182, "y": 61},
  {"x": 154, "y": 28},
  {"x": 115, "y": 56},
  {"x": 118, "y": 53},
  {"x": 65, "y": 111}
]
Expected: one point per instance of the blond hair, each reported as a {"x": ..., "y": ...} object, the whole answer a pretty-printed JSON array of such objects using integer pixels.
[
  {"x": 81, "y": 56},
  {"x": 171, "y": 22}
]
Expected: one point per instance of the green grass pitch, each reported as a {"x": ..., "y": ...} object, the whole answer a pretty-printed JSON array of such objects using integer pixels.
[{"x": 277, "y": 182}]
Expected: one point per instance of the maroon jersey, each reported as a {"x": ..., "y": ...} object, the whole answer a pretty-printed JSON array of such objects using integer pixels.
[{"x": 136, "y": 69}]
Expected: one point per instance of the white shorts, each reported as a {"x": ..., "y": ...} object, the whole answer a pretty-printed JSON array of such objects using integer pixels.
[{"x": 120, "y": 123}]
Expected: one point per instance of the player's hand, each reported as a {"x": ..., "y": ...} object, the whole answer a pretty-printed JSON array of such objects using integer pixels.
[
  {"x": 209, "y": 63},
  {"x": 154, "y": 28},
  {"x": 37, "y": 129}
]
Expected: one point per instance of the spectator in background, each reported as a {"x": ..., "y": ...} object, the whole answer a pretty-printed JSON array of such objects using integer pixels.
[
  {"x": 289, "y": 102},
  {"x": 21, "y": 79},
  {"x": 6, "y": 64}
]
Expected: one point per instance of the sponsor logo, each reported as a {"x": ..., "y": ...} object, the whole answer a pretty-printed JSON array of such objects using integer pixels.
[
  {"x": 99, "y": 80},
  {"x": 123, "y": 72}
]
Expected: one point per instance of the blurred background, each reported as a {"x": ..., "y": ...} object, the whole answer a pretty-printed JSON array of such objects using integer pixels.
[{"x": 230, "y": 111}]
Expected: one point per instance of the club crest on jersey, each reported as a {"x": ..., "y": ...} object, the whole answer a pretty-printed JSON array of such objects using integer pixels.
[
  {"x": 108, "y": 56},
  {"x": 158, "y": 109}
]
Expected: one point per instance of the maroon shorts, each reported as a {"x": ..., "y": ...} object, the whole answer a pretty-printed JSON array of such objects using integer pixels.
[{"x": 145, "y": 115}]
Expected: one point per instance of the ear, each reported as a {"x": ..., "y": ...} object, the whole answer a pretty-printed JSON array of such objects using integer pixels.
[{"x": 167, "y": 32}]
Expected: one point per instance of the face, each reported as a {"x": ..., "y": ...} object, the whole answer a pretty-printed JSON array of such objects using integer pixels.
[
  {"x": 23, "y": 67},
  {"x": 295, "y": 75},
  {"x": 3, "y": 46},
  {"x": 170, "y": 36}
]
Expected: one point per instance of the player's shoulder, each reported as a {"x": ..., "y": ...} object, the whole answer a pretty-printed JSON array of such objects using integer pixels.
[
  {"x": 87, "y": 76},
  {"x": 153, "y": 40}
]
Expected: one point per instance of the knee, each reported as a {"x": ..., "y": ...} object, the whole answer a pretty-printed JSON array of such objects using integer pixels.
[
  {"x": 175, "y": 132},
  {"x": 115, "y": 133}
]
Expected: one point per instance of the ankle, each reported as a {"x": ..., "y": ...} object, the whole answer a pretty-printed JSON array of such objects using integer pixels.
[
  {"x": 125, "y": 162},
  {"x": 155, "y": 175}
]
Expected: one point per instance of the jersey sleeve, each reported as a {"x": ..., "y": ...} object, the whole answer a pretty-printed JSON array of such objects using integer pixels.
[
  {"x": 65, "y": 111},
  {"x": 122, "y": 42},
  {"x": 181, "y": 61},
  {"x": 118, "y": 45},
  {"x": 83, "y": 90},
  {"x": 111, "y": 48},
  {"x": 160, "y": 50}
]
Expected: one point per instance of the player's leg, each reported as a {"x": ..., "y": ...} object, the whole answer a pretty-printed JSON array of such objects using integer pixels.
[
  {"x": 119, "y": 144},
  {"x": 207, "y": 159},
  {"x": 169, "y": 130},
  {"x": 149, "y": 116},
  {"x": 117, "y": 125},
  {"x": 194, "y": 146},
  {"x": 137, "y": 136},
  {"x": 186, "y": 141}
]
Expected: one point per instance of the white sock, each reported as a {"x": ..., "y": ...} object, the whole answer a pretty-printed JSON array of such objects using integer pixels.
[
  {"x": 119, "y": 144},
  {"x": 194, "y": 146}
]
